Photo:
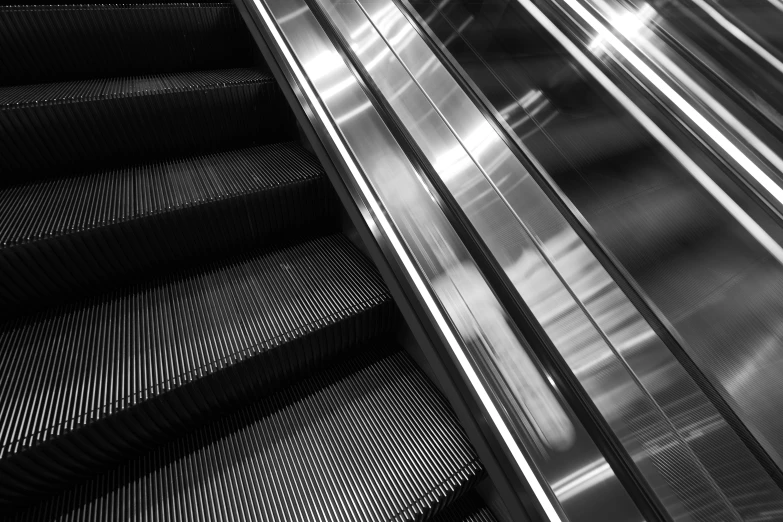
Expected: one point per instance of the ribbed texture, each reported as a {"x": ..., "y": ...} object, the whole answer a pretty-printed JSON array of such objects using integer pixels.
[
  {"x": 73, "y": 366},
  {"x": 139, "y": 210},
  {"x": 81, "y": 91},
  {"x": 48, "y": 130},
  {"x": 65, "y": 42},
  {"x": 469, "y": 508},
  {"x": 368, "y": 440},
  {"x": 90, "y": 231}
]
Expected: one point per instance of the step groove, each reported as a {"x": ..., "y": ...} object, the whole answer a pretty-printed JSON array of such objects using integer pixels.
[
  {"x": 205, "y": 340},
  {"x": 50, "y": 43},
  {"x": 334, "y": 446},
  {"x": 60, "y": 129},
  {"x": 96, "y": 231}
]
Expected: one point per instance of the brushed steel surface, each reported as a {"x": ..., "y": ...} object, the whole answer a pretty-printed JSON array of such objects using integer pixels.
[
  {"x": 566, "y": 454},
  {"x": 409, "y": 219},
  {"x": 707, "y": 274}
]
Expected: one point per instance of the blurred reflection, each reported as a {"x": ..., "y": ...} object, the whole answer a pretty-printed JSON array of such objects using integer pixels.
[
  {"x": 461, "y": 288},
  {"x": 475, "y": 304},
  {"x": 711, "y": 280}
]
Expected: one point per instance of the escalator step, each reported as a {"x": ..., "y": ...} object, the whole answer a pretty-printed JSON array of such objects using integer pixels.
[
  {"x": 64, "y": 237},
  {"x": 469, "y": 508},
  {"x": 87, "y": 384},
  {"x": 369, "y": 439},
  {"x": 54, "y": 129},
  {"x": 54, "y": 43}
]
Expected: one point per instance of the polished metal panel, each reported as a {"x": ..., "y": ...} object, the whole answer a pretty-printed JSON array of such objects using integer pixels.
[
  {"x": 567, "y": 457},
  {"x": 655, "y": 219},
  {"x": 407, "y": 217},
  {"x": 625, "y": 33},
  {"x": 621, "y": 362}
]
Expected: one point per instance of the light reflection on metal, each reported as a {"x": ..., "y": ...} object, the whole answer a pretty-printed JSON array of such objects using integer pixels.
[
  {"x": 632, "y": 25},
  {"x": 691, "y": 112},
  {"x": 641, "y": 36},
  {"x": 409, "y": 216},
  {"x": 582, "y": 480},
  {"x": 741, "y": 35},
  {"x": 641, "y": 218},
  {"x": 696, "y": 172},
  {"x": 579, "y": 306}
]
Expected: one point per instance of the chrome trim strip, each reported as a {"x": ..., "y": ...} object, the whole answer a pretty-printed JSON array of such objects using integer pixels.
[
  {"x": 698, "y": 174},
  {"x": 590, "y": 320},
  {"x": 303, "y": 31},
  {"x": 442, "y": 148},
  {"x": 745, "y": 220}
]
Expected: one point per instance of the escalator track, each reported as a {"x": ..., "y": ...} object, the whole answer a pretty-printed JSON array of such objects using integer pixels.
[{"x": 189, "y": 333}]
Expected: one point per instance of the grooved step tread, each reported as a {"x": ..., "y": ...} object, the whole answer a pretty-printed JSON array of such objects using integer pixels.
[
  {"x": 70, "y": 367},
  {"x": 81, "y": 91},
  {"x": 370, "y": 439},
  {"x": 50, "y": 43},
  {"x": 70, "y": 237},
  {"x": 76, "y": 126},
  {"x": 52, "y": 208}
]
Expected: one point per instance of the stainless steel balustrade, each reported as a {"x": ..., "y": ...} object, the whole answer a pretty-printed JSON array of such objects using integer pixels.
[
  {"x": 622, "y": 364},
  {"x": 405, "y": 217}
]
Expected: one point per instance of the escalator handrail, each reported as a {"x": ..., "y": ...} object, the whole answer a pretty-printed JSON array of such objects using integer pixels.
[
  {"x": 367, "y": 209},
  {"x": 630, "y": 288}
]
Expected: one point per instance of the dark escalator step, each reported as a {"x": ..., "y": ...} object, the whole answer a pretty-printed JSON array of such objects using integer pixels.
[
  {"x": 71, "y": 237},
  {"x": 86, "y": 385},
  {"x": 469, "y": 508},
  {"x": 53, "y": 43},
  {"x": 75, "y": 126},
  {"x": 369, "y": 439}
]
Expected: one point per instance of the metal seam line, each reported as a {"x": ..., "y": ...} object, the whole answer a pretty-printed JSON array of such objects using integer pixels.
[
  {"x": 724, "y": 199},
  {"x": 535, "y": 240},
  {"x": 421, "y": 286}
]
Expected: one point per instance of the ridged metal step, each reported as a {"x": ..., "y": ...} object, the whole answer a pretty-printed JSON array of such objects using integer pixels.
[
  {"x": 89, "y": 384},
  {"x": 50, "y": 130},
  {"x": 369, "y": 439},
  {"x": 54, "y": 43},
  {"x": 75, "y": 236}
]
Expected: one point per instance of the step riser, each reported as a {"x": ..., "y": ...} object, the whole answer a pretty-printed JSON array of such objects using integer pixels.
[
  {"x": 113, "y": 437},
  {"x": 60, "y": 43},
  {"x": 59, "y": 139},
  {"x": 51, "y": 271}
]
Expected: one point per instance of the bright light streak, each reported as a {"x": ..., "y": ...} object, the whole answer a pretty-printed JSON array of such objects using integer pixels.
[
  {"x": 741, "y": 35},
  {"x": 698, "y": 174},
  {"x": 582, "y": 479},
  {"x": 635, "y": 34},
  {"x": 689, "y": 110},
  {"x": 422, "y": 288}
]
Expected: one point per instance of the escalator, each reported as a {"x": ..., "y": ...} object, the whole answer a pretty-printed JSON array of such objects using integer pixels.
[
  {"x": 191, "y": 330},
  {"x": 378, "y": 260}
]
